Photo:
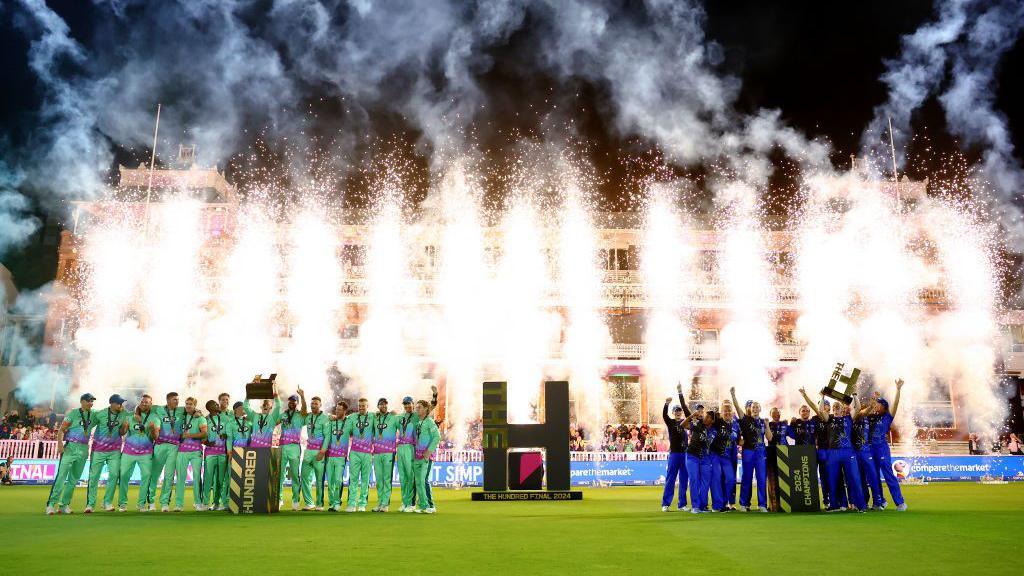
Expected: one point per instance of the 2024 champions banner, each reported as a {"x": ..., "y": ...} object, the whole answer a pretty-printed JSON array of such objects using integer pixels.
[{"x": 639, "y": 473}]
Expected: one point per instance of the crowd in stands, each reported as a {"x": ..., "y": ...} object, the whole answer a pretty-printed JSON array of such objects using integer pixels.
[
  {"x": 1007, "y": 444},
  {"x": 32, "y": 425}
]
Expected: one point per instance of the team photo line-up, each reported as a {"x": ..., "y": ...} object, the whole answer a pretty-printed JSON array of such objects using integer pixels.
[
  {"x": 851, "y": 442},
  {"x": 167, "y": 440}
]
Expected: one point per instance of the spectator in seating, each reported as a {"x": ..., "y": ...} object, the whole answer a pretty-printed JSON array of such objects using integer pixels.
[
  {"x": 974, "y": 444},
  {"x": 1013, "y": 445},
  {"x": 5, "y": 472}
]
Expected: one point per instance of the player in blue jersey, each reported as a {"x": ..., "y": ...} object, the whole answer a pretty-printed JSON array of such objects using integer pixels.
[
  {"x": 881, "y": 421},
  {"x": 755, "y": 434}
]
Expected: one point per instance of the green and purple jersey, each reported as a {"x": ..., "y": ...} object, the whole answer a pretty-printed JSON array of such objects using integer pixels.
[
  {"x": 427, "y": 439},
  {"x": 239, "y": 430},
  {"x": 170, "y": 422},
  {"x": 385, "y": 432},
  {"x": 191, "y": 424},
  {"x": 407, "y": 422},
  {"x": 337, "y": 437},
  {"x": 262, "y": 435},
  {"x": 292, "y": 422},
  {"x": 138, "y": 442},
  {"x": 80, "y": 422},
  {"x": 216, "y": 435},
  {"x": 106, "y": 437},
  {"x": 360, "y": 430},
  {"x": 316, "y": 430}
]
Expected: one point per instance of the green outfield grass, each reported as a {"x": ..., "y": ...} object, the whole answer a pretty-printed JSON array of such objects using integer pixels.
[{"x": 951, "y": 529}]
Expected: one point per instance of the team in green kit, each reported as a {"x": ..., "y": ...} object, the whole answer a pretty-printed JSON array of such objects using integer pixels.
[{"x": 170, "y": 443}]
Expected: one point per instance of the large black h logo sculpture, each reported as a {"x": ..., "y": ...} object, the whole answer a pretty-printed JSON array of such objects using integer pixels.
[{"x": 499, "y": 436}]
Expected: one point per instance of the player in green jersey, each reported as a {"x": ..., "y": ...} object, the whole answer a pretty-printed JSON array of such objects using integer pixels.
[
  {"x": 111, "y": 424},
  {"x": 165, "y": 452},
  {"x": 317, "y": 426},
  {"x": 292, "y": 420},
  {"x": 73, "y": 447},
  {"x": 427, "y": 438},
  {"x": 138, "y": 451},
  {"x": 215, "y": 462},
  {"x": 360, "y": 456},
  {"x": 336, "y": 456},
  {"x": 194, "y": 432},
  {"x": 385, "y": 436},
  {"x": 404, "y": 456}
]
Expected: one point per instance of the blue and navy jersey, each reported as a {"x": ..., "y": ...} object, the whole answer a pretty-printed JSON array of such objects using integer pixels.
[
  {"x": 725, "y": 436},
  {"x": 752, "y": 430},
  {"x": 880, "y": 428},
  {"x": 780, "y": 431},
  {"x": 820, "y": 432},
  {"x": 700, "y": 439},
  {"x": 861, "y": 436},
  {"x": 803, "y": 432},
  {"x": 840, "y": 431}
]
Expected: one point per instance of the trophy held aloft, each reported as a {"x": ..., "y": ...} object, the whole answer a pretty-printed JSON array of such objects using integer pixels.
[
  {"x": 840, "y": 386},
  {"x": 261, "y": 388}
]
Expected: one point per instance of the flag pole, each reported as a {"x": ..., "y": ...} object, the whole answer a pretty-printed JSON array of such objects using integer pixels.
[{"x": 152, "y": 161}]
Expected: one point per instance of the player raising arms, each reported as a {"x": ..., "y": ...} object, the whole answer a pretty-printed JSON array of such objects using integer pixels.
[
  {"x": 111, "y": 424},
  {"x": 360, "y": 456},
  {"x": 73, "y": 447},
  {"x": 336, "y": 453},
  {"x": 194, "y": 432},
  {"x": 215, "y": 460},
  {"x": 263, "y": 424},
  {"x": 881, "y": 421},
  {"x": 755, "y": 432},
  {"x": 165, "y": 453},
  {"x": 143, "y": 430},
  {"x": 317, "y": 426},
  {"x": 427, "y": 438},
  {"x": 292, "y": 421}
]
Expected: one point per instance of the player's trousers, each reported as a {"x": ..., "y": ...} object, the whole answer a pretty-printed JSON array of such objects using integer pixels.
[
  {"x": 112, "y": 460},
  {"x": 359, "y": 464},
  {"x": 128, "y": 464},
  {"x": 69, "y": 471},
  {"x": 383, "y": 471}
]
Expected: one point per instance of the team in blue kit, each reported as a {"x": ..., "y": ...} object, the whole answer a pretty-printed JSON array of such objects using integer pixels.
[{"x": 852, "y": 445}]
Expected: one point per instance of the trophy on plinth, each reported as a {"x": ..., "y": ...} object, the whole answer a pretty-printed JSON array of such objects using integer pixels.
[
  {"x": 260, "y": 388},
  {"x": 844, "y": 395}
]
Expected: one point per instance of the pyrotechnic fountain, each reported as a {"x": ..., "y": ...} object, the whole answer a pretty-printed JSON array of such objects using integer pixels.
[{"x": 467, "y": 296}]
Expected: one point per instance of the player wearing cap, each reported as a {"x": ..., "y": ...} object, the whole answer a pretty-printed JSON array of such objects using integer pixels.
[
  {"x": 292, "y": 421},
  {"x": 111, "y": 424},
  {"x": 427, "y": 439},
  {"x": 317, "y": 425},
  {"x": 165, "y": 453},
  {"x": 335, "y": 455},
  {"x": 881, "y": 421},
  {"x": 73, "y": 447},
  {"x": 755, "y": 433},
  {"x": 677, "y": 452},
  {"x": 194, "y": 431},
  {"x": 405, "y": 456},
  {"x": 215, "y": 459},
  {"x": 360, "y": 456},
  {"x": 698, "y": 459},
  {"x": 138, "y": 451},
  {"x": 385, "y": 436},
  {"x": 239, "y": 427}
]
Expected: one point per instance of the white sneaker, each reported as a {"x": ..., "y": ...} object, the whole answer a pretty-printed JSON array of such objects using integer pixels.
[
  {"x": 362, "y": 509},
  {"x": 88, "y": 510},
  {"x": 350, "y": 509},
  {"x": 410, "y": 509},
  {"x": 49, "y": 511},
  {"x": 165, "y": 509},
  {"x": 66, "y": 510},
  {"x": 108, "y": 507},
  {"x": 309, "y": 508},
  {"x": 430, "y": 511},
  {"x": 664, "y": 509},
  {"x": 902, "y": 507},
  {"x": 152, "y": 507},
  {"x": 122, "y": 508},
  {"x": 762, "y": 509},
  {"x": 744, "y": 508},
  {"x": 143, "y": 508},
  {"x": 177, "y": 508},
  {"x": 383, "y": 509},
  {"x": 685, "y": 508},
  {"x": 200, "y": 507}
]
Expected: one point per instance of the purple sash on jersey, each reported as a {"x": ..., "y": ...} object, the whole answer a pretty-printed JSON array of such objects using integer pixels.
[
  {"x": 384, "y": 446},
  {"x": 364, "y": 445}
]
